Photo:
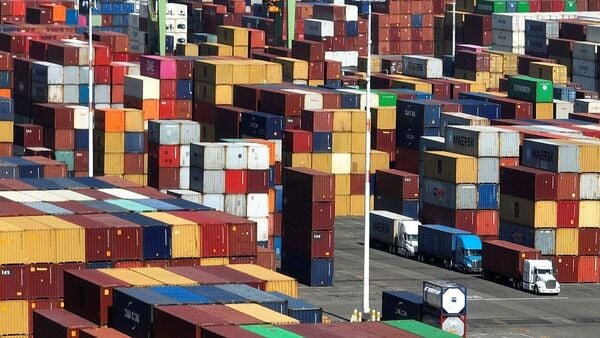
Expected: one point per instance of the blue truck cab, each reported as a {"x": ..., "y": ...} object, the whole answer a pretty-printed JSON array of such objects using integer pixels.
[{"x": 454, "y": 248}]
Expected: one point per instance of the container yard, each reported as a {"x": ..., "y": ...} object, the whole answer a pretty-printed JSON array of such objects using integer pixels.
[{"x": 340, "y": 168}]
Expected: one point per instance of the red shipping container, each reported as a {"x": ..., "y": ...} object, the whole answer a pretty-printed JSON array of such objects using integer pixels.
[
  {"x": 183, "y": 109},
  {"x": 312, "y": 185},
  {"x": 13, "y": 282},
  {"x": 126, "y": 243},
  {"x": 509, "y": 161},
  {"x": 234, "y": 276},
  {"x": 567, "y": 186},
  {"x": 168, "y": 89},
  {"x": 292, "y": 122},
  {"x": 357, "y": 184},
  {"x": 400, "y": 183},
  {"x": 81, "y": 160},
  {"x": 258, "y": 181},
  {"x": 97, "y": 238},
  {"x": 134, "y": 164},
  {"x": 166, "y": 156},
  {"x": 278, "y": 173},
  {"x": 58, "y": 270},
  {"x": 479, "y": 222},
  {"x": 589, "y": 241},
  {"x": 566, "y": 269},
  {"x": 117, "y": 94},
  {"x": 58, "y": 323},
  {"x": 567, "y": 214},
  {"x": 28, "y": 135},
  {"x": 277, "y": 223},
  {"x": 167, "y": 109},
  {"x": 384, "y": 139},
  {"x": 242, "y": 260},
  {"x": 102, "y": 75},
  {"x": 276, "y": 101},
  {"x": 236, "y": 181},
  {"x": 306, "y": 214},
  {"x": 214, "y": 233},
  {"x": 308, "y": 50},
  {"x": 514, "y": 109},
  {"x": 528, "y": 183},
  {"x": 76, "y": 207},
  {"x": 59, "y": 139},
  {"x": 308, "y": 243},
  {"x": 42, "y": 281},
  {"x": 297, "y": 141},
  {"x": 265, "y": 258},
  {"x": 587, "y": 269},
  {"x": 407, "y": 160},
  {"x": 242, "y": 233}
]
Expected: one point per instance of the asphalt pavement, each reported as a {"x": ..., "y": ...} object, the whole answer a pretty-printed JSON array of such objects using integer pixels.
[{"x": 493, "y": 310}]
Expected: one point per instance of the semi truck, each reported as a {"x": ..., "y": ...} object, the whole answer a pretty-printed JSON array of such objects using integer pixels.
[
  {"x": 397, "y": 233},
  {"x": 520, "y": 266},
  {"x": 454, "y": 248}
]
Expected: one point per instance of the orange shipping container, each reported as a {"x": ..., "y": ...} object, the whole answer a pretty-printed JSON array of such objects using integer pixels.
[{"x": 110, "y": 120}]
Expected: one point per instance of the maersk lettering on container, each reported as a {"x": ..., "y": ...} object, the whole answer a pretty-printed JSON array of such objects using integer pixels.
[
  {"x": 551, "y": 155},
  {"x": 478, "y": 141}
]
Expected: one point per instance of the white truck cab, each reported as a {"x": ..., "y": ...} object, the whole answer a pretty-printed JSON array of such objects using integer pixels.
[
  {"x": 538, "y": 276},
  {"x": 408, "y": 238}
]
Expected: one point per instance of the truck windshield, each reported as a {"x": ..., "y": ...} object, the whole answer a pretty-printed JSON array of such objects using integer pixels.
[
  {"x": 543, "y": 271},
  {"x": 412, "y": 238},
  {"x": 471, "y": 252}
]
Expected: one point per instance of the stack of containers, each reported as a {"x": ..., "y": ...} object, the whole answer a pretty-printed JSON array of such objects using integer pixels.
[
  {"x": 139, "y": 26},
  {"x": 113, "y": 15},
  {"x": 169, "y": 152},
  {"x": 397, "y": 191},
  {"x": 7, "y": 118},
  {"x": 109, "y": 142},
  {"x": 165, "y": 70},
  {"x": 586, "y": 60},
  {"x": 236, "y": 37},
  {"x": 539, "y": 92},
  {"x": 135, "y": 158},
  {"x": 58, "y": 121},
  {"x": 308, "y": 224},
  {"x": 537, "y": 33},
  {"x": 233, "y": 177},
  {"x": 475, "y": 66},
  {"x": 320, "y": 70}
]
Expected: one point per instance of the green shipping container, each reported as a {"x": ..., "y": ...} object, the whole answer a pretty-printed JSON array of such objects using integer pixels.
[
  {"x": 386, "y": 99},
  {"x": 570, "y": 6},
  {"x": 523, "y": 7},
  {"x": 130, "y": 205},
  {"x": 420, "y": 329},
  {"x": 269, "y": 331},
  {"x": 490, "y": 7},
  {"x": 67, "y": 157},
  {"x": 530, "y": 89}
]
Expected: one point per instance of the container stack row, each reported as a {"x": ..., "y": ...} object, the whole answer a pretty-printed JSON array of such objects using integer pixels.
[
  {"x": 31, "y": 167},
  {"x": 308, "y": 226},
  {"x": 7, "y": 117},
  {"x": 112, "y": 15},
  {"x": 397, "y": 191}
]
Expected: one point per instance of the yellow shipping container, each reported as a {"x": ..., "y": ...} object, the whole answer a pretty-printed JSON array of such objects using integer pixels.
[
  {"x": 357, "y": 205},
  {"x": 293, "y": 69},
  {"x": 475, "y": 87},
  {"x": 14, "y": 317},
  {"x": 567, "y": 241},
  {"x": 342, "y": 184},
  {"x": 134, "y": 120},
  {"x": 358, "y": 163},
  {"x": 131, "y": 277},
  {"x": 164, "y": 276},
  {"x": 38, "y": 244},
  {"x": 216, "y": 94},
  {"x": 375, "y": 63},
  {"x": 232, "y": 35},
  {"x": 315, "y": 83},
  {"x": 141, "y": 179},
  {"x": 509, "y": 61},
  {"x": 187, "y": 49},
  {"x": 359, "y": 121},
  {"x": 12, "y": 238},
  {"x": 479, "y": 77},
  {"x": 6, "y": 131},
  {"x": 274, "y": 72},
  {"x": 241, "y": 51},
  {"x": 274, "y": 281},
  {"x": 214, "y": 261},
  {"x": 450, "y": 167},
  {"x": 185, "y": 234},
  {"x": 358, "y": 143},
  {"x": 257, "y": 72},
  {"x": 112, "y": 164},
  {"x": 342, "y": 142},
  {"x": 342, "y": 120},
  {"x": 263, "y": 314},
  {"x": 213, "y": 71},
  {"x": 301, "y": 160},
  {"x": 69, "y": 238},
  {"x": 543, "y": 111},
  {"x": 496, "y": 63},
  {"x": 379, "y": 160},
  {"x": 215, "y": 49},
  {"x": 322, "y": 162},
  {"x": 589, "y": 154},
  {"x": 495, "y": 80},
  {"x": 540, "y": 214},
  {"x": 549, "y": 71},
  {"x": 589, "y": 214},
  {"x": 241, "y": 72},
  {"x": 342, "y": 205},
  {"x": 384, "y": 117}
]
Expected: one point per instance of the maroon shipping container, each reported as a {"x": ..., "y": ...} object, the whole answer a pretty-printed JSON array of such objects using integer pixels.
[
  {"x": 227, "y": 121},
  {"x": 13, "y": 282},
  {"x": 357, "y": 184},
  {"x": 156, "y": 263},
  {"x": 227, "y": 332},
  {"x": 441, "y": 90},
  {"x": 258, "y": 181},
  {"x": 242, "y": 233},
  {"x": 247, "y": 96},
  {"x": 88, "y": 293},
  {"x": 214, "y": 233},
  {"x": 397, "y": 183},
  {"x": 472, "y": 61},
  {"x": 280, "y": 102},
  {"x": 529, "y": 183},
  {"x": 134, "y": 164},
  {"x": 567, "y": 214},
  {"x": 58, "y": 270},
  {"x": 234, "y": 276},
  {"x": 28, "y": 135},
  {"x": 297, "y": 141},
  {"x": 308, "y": 215},
  {"x": 384, "y": 139},
  {"x": 308, "y": 50},
  {"x": 277, "y": 220},
  {"x": 242, "y": 260},
  {"x": 566, "y": 268},
  {"x": 128, "y": 264},
  {"x": 42, "y": 304},
  {"x": 150, "y": 192},
  {"x": 17, "y": 209},
  {"x": 291, "y": 122},
  {"x": 189, "y": 262},
  {"x": 304, "y": 183},
  {"x": 266, "y": 258},
  {"x": 308, "y": 243},
  {"x": 58, "y": 323},
  {"x": 42, "y": 281},
  {"x": 184, "y": 320},
  {"x": 505, "y": 259},
  {"x": 98, "y": 237},
  {"x": 514, "y": 109},
  {"x": 197, "y": 274},
  {"x": 119, "y": 182},
  {"x": 589, "y": 241},
  {"x": 567, "y": 186},
  {"x": 126, "y": 237},
  {"x": 103, "y": 332},
  {"x": 163, "y": 178},
  {"x": 317, "y": 120}
]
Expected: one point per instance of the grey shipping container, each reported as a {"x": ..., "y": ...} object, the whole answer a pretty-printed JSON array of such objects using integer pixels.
[
  {"x": 254, "y": 295},
  {"x": 448, "y": 195},
  {"x": 541, "y": 239},
  {"x": 551, "y": 155}
]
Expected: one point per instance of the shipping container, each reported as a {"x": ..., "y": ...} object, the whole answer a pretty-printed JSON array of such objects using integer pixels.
[
  {"x": 450, "y": 167},
  {"x": 156, "y": 235},
  {"x": 528, "y": 183},
  {"x": 101, "y": 333},
  {"x": 449, "y": 195},
  {"x": 163, "y": 276},
  {"x": 185, "y": 234},
  {"x": 234, "y": 276},
  {"x": 478, "y": 141},
  {"x": 227, "y": 331},
  {"x": 263, "y": 314},
  {"x": 214, "y": 233},
  {"x": 505, "y": 258},
  {"x": 14, "y": 317},
  {"x": 551, "y": 155},
  {"x": 309, "y": 184},
  {"x": 273, "y": 281},
  {"x": 256, "y": 296},
  {"x": 399, "y": 305},
  {"x": 58, "y": 323},
  {"x": 540, "y": 214},
  {"x": 543, "y": 239}
]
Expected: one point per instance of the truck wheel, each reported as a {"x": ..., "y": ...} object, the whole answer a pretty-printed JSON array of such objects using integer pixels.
[
  {"x": 535, "y": 290},
  {"x": 450, "y": 264},
  {"x": 391, "y": 249},
  {"x": 515, "y": 284}
]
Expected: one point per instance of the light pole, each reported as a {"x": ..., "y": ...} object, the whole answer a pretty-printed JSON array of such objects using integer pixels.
[
  {"x": 91, "y": 4},
  {"x": 453, "y": 29}
]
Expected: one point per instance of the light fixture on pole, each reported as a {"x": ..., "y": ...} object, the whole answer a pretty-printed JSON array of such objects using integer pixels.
[{"x": 91, "y": 4}]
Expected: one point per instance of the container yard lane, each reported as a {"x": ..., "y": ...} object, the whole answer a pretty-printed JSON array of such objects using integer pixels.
[{"x": 493, "y": 310}]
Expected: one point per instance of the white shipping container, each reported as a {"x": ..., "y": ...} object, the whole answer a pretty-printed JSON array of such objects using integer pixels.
[
  {"x": 509, "y": 21},
  {"x": 71, "y": 75},
  {"x": 44, "y": 196},
  {"x": 142, "y": 87},
  {"x": 258, "y": 156},
  {"x": 235, "y": 204},
  {"x": 562, "y": 109},
  {"x": 123, "y": 194},
  {"x": 589, "y": 186},
  {"x": 47, "y": 72},
  {"x": 347, "y": 58},
  {"x": 351, "y": 13},
  {"x": 17, "y": 196},
  {"x": 80, "y": 116},
  {"x": 102, "y": 93},
  {"x": 278, "y": 149},
  {"x": 425, "y": 67},
  {"x": 262, "y": 228},
  {"x": 236, "y": 156},
  {"x": 508, "y": 38},
  {"x": 448, "y": 195},
  {"x": 83, "y": 74},
  {"x": 341, "y": 163},
  {"x": 587, "y": 106},
  {"x": 188, "y": 195},
  {"x": 257, "y": 205},
  {"x": 488, "y": 170},
  {"x": 320, "y": 28},
  {"x": 71, "y": 94},
  {"x": 510, "y": 142},
  {"x": 551, "y": 155},
  {"x": 207, "y": 181},
  {"x": 70, "y": 195},
  {"x": 477, "y": 141},
  {"x": 184, "y": 177},
  {"x": 215, "y": 201},
  {"x": 312, "y": 100},
  {"x": 163, "y": 132},
  {"x": 207, "y": 155},
  {"x": 461, "y": 119},
  {"x": 189, "y": 132},
  {"x": 184, "y": 155},
  {"x": 583, "y": 50}
]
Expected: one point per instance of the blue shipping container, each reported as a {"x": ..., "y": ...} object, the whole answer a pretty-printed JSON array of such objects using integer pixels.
[
  {"x": 351, "y": 28},
  {"x": 158, "y": 204},
  {"x": 26, "y": 168},
  {"x": 8, "y": 170},
  {"x": 536, "y": 46},
  {"x": 186, "y": 205},
  {"x": 104, "y": 207},
  {"x": 277, "y": 244},
  {"x": 410, "y": 208},
  {"x": 303, "y": 311},
  {"x": 278, "y": 198},
  {"x": 219, "y": 296},
  {"x": 322, "y": 142},
  {"x": 540, "y": 239},
  {"x": 93, "y": 182},
  {"x": 134, "y": 142},
  {"x": 401, "y": 305},
  {"x": 181, "y": 295},
  {"x": 81, "y": 139},
  {"x": 416, "y": 20},
  {"x": 48, "y": 208},
  {"x": 488, "y": 194},
  {"x": 156, "y": 235},
  {"x": 418, "y": 113},
  {"x": 254, "y": 295},
  {"x": 185, "y": 89},
  {"x": 261, "y": 125},
  {"x": 67, "y": 183},
  {"x": 41, "y": 183},
  {"x": 312, "y": 272}
]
